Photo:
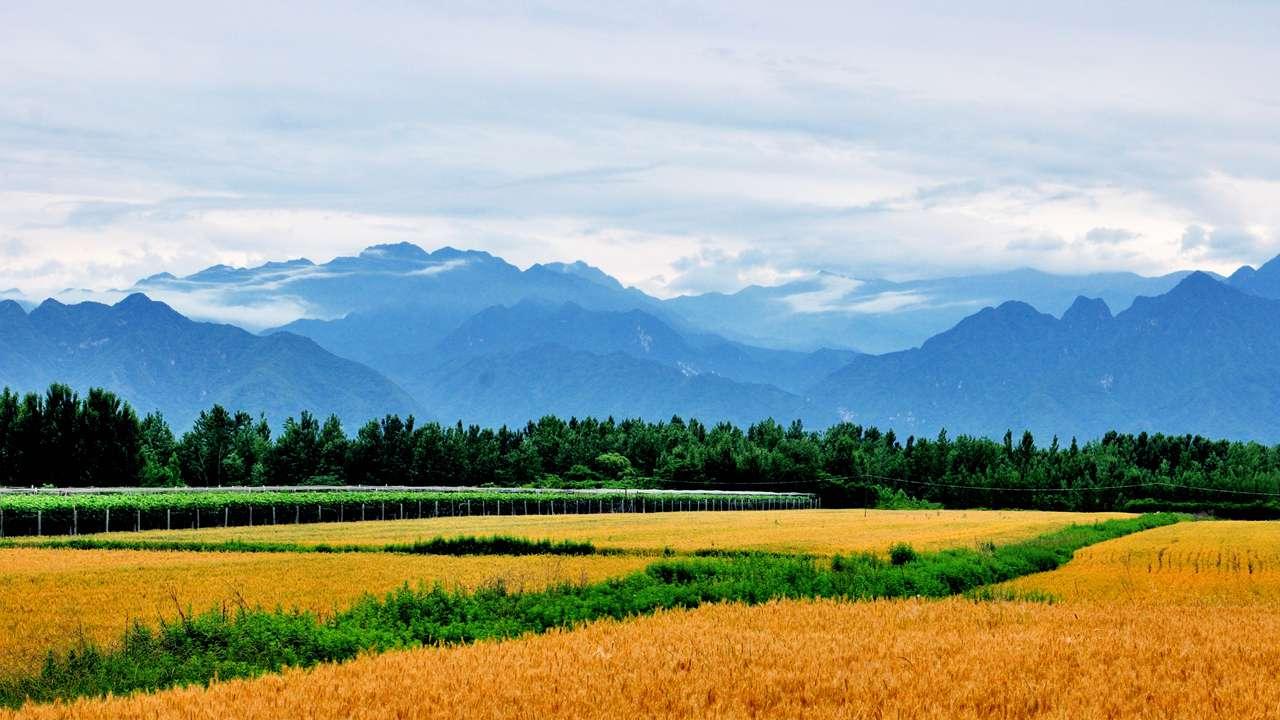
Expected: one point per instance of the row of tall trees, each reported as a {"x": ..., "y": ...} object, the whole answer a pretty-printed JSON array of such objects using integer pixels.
[{"x": 62, "y": 439}]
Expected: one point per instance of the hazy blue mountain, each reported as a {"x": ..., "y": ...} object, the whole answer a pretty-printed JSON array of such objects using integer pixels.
[
  {"x": 471, "y": 336},
  {"x": 582, "y": 270},
  {"x": 401, "y": 278},
  {"x": 390, "y": 304},
  {"x": 1263, "y": 281},
  {"x": 877, "y": 316},
  {"x": 15, "y": 296},
  {"x": 394, "y": 303},
  {"x": 1200, "y": 358},
  {"x": 159, "y": 360},
  {"x": 515, "y": 387},
  {"x": 507, "y": 330}
]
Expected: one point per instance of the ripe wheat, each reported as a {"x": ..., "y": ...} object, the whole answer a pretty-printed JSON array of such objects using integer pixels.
[
  {"x": 822, "y": 532},
  {"x": 1209, "y": 563},
  {"x": 50, "y": 598},
  {"x": 949, "y": 659}
]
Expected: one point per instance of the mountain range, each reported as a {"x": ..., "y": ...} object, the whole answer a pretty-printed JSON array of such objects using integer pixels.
[
  {"x": 455, "y": 334},
  {"x": 1198, "y": 359},
  {"x": 161, "y": 361}
]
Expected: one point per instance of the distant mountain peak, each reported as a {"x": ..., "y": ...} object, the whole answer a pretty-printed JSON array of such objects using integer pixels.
[
  {"x": 1199, "y": 284},
  {"x": 10, "y": 309},
  {"x": 397, "y": 251},
  {"x": 580, "y": 269},
  {"x": 1264, "y": 281},
  {"x": 1010, "y": 322},
  {"x": 1015, "y": 310},
  {"x": 139, "y": 305},
  {"x": 1242, "y": 274},
  {"x": 286, "y": 264},
  {"x": 1087, "y": 311},
  {"x": 213, "y": 272}
]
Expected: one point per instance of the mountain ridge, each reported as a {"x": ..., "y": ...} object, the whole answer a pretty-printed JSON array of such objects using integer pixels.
[
  {"x": 1197, "y": 359},
  {"x": 159, "y": 360}
]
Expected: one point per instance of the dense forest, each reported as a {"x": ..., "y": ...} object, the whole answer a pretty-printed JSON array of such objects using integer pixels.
[{"x": 61, "y": 439}]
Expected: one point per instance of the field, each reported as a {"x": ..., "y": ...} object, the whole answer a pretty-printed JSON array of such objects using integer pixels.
[
  {"x": 891, "y": 659},
  {"x": 1165, "y": 620},
  {"x": 820, "y": 532},
  {"x": 49, "y": 598},
  {"x": 1206, "y": 563}
]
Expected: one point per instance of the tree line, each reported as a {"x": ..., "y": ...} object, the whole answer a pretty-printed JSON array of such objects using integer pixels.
[{"x": 61, "y": 439}]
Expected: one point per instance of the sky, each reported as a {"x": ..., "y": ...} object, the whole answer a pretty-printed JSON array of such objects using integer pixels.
[{"x": 683, "y": 147}]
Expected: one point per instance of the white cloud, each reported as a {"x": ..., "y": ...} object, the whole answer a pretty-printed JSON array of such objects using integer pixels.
[
  {"x": 828, "y": 297},
  {"x": 709, "y": 147}
]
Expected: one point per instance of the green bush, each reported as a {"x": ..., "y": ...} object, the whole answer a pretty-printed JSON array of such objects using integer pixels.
[{"x": 901, "y": 553}]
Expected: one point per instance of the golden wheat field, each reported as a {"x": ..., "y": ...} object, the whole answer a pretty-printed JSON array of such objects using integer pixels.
[
  {"x": 890, "y": 659},
  {"x": 822, "y": 532},
  {"x": 48, "y": 598},
  {"x": 1211, "y": 563}
]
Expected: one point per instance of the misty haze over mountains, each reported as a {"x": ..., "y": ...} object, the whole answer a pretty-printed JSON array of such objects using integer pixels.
[{"x": 455, "y": 334}]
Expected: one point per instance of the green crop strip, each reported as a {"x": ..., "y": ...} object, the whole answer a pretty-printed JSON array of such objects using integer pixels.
[{"x": 248, "y": 642}]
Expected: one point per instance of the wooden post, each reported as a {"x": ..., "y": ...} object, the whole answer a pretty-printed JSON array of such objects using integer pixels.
[
  {"x": 297, "y": 514},
  {"x": 108, "y": 529},
  {"x": 362, "y": 512},
  {"x": 168, "y": 518},
  {"x": 137, "y": 521},
  {"x": 75, "y": 520},
  {"x": 39, "y": 523},
  {"x": 273, "y": 514},
  {"x": 197, "y": 518},
  {"x": 226, "y": 516},
  {"x": 250, "y": 516}
]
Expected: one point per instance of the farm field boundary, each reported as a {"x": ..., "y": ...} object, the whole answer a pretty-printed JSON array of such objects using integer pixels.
[{"x": 196, "y": 650}]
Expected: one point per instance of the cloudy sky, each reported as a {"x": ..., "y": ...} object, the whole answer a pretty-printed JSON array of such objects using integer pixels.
[{"x": 682, "y": 147}]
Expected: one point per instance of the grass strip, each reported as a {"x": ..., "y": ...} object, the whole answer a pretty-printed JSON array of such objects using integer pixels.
[{"x": 249, "y": 642}]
